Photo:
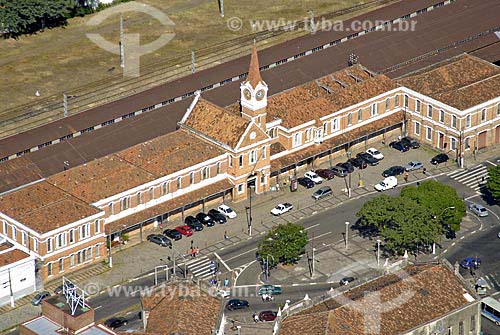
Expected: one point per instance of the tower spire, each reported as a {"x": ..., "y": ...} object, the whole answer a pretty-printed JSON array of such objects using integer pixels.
[{"x": 254, "y": 72}]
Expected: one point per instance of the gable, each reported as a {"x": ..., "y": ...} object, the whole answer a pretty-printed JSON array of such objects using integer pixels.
[{"x": 251, "y": 131}]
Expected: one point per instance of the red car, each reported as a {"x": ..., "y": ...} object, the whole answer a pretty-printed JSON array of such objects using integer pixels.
[
  {"x": 184, "y": 230},
  {"x": 325, "y": 173},
  {"x": 267, "y": 316}
]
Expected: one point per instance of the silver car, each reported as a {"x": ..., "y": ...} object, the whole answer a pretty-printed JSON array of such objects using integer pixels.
[
  {"x": 413, "y": 165},
  {"x": 479, "y": 210}
]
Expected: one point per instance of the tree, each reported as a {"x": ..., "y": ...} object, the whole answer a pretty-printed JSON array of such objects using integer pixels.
[
  {"x": 493, "y": 183},
  {"x": 441, "y": 200},
  {"x": 284, "y": 244}
]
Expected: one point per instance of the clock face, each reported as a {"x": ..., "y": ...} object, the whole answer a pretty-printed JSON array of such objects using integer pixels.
[
  {"x": 260, "y": 94},
  {"x": 247, "y": 93}
]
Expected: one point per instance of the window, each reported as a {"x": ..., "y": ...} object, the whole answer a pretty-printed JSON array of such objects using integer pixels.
[
  {"x": 71, "y": 235},
  {"x": 467, "y": 121},
  {"x": 498, "y": 109},
  {"x": 219, "y": 166},
  {"x": 61, "y": 264},
  {"x": 240, "y": 188},
  {"x": 264, "y": 152},
  {"x": 14, "y": 233},
  {"x": 429, "y": 111},
  {"x": 71, "y": 260},
  {"x": 230, "y": 161},
  {"x": 205, "y": 173},
  {"x": 360, "y": 115},
  {"x": 111, "y": 210},
  {"x": 453, "y": 121},
  {"x": 97, "y": 228},
  {"x": 84, "y": 231},
  {"x": 60, "y": 240},
  {"x": 387, "y": 104},
  {"x": 273, "y": 132},
  {"x": 35, "y": 245},
  {"x": 483, "y": 115},
  {"x": 441, "y": 116},
  {"x": 124, "y": 203},
  {"x": 428, "y": 133},
  {"x": 89, "y": 254},
  {"x": 461, "y": 328},
  {"x": 79, "y": 257},
  {"x": 49, "y": 269},
  {"x": 396, "y": 100},
  {"x": 259, "y": 119},
  {"x": 297, "y": 139},
  {"x": 417, "y": 128},
  {"x": 241, "y": 161},
  {"x": 417, "y": 106},
  {"x": 5, "y": 231},
  {"x": 179, "y": 183},
  {"x": 252, "y": 157},
  {"x": 263, "y": 179},
  {"x": 191, "y": 178},
  {"x": 325, "y": 128},
  {"x": 23, "y": 238},
  {"x": 349, "y": 119},
  {"x": 453, "y": 143},
  {"x": 97, "y": 251},
  {"x": 335, "y": 125},
  {"x": 139, "y": 198},
  {"x": 373, "y": 109},
  {"x": 472, "y": 323},
  {"x": 407, "y": 99},
  {"x": 151, "y": 193},
  {"x": 165, "y": 188},
  {"x": 467, "y": 143}
]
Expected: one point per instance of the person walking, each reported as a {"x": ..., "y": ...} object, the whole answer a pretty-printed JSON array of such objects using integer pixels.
[
  {"x": 424, "y": 170},
  {"x": 405, "y": 177},
  {"x": 225, "y": 235}
]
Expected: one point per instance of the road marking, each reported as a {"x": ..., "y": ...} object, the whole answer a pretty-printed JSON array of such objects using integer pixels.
[
  {"x": 317, "y": 224},
  {"x": 295, "y": 284},
  {"x": 96, "y": 308},
  {"x": 491, "y": 163},
  {"x": 462, "y": 237},
  {"x": 473, "y": 232},
  {"x": 223, "y": 263},
  {"x": 314, "y": 213},
  {"x": 243, "y": 253},
  {"x": 472, "y": 196},
  {"x": 315, "y": 237}
]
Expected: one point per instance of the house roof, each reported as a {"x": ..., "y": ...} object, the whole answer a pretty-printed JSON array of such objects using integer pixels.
[
  {"x": 457, "y": 78},
  {"x": 216, "y": 122},
  {"x": 44, "y": 207},
  {"x": 170, "y": 153},
  {"x": 254, "y": 71},
  {"x": 181, "y": 309},
  {"x": 10, "y": 254},
  {"x": 425, "y": 293}
]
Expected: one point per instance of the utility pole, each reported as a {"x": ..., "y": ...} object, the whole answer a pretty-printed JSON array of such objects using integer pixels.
[
  {"x": 346, "y": 235},
  {"x": 122, "y": 47},
  {"x": 65, "y": 104},
  {"x": 193, "y": 66}
]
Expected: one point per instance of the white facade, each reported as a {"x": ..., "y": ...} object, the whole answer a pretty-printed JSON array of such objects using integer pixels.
[{"x": 18, "y": 276}]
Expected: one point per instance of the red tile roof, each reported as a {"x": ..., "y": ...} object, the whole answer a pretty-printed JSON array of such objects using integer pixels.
[{"x": 12, "y": 256}]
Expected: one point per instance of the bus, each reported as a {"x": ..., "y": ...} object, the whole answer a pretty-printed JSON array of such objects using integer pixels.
[{"x": 490, "y": 309}]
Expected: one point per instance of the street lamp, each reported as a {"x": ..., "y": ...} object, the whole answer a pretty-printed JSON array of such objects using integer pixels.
[
  {"x": 378, "y": 252},
  {"x": 349, "y": 187},
  {"x": 347, "y": 235}
]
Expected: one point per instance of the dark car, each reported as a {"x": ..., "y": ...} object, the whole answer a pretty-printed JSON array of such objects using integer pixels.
[
  {"x": 114, "y": 323},
  {"x": 267, "y": 316},
  {"x": 217, "y": 216},
  {"x": 306, "y": 182},
  {"x": 322, "y": 192},
  {"x": 193, "y": 223},
  {"x": 358, "y": 162},
  {"x": 400, "y": 146},
  {"x": 205, "y": 219},
  {"x": 173, "y": 234},
  {"x": 339, "y": 171},
  {"x": 438, "y": 159},
  {"x": 59, "y": 289},
  {"x": 346, "y": 165},
  {"x": 160, "y": 240},
  {"x": 369, "y": 159},
  {"x": 325, "y": 173},
  {"x": 237, "y": 304},
  {"x": 393, "y": 171},
  {"x": 410, "y": 142},
  {"x": 346, "y": 280},
  {"x": 37, "y": 300},
  {"x": 471, "y": 262}
]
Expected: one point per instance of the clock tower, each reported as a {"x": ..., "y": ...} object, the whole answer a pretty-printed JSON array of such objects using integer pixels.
[{"x": 254, "y": 94}]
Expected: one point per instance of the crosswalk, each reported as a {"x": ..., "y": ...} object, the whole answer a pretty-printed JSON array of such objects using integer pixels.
[
  {"x": 491, "y": 282},
  {"x": 201, "y": 267},
  {"x": 474, "y": 178}
]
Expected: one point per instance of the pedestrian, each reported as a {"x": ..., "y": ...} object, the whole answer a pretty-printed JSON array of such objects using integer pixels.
[
  {"x": 225, "y": 235},
  {"x": 405, "y": 176},
  {"x": 255, "y": 317},
  {"x": 424, "y": 170},
  {"x": 226, "y": 282}
]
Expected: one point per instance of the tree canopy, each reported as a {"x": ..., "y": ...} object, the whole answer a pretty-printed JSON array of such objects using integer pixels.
[
  {"x": 283, "y": 244},
  {"x": 493, "y": 183}
]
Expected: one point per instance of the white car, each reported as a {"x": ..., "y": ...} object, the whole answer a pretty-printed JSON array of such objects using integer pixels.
[
  {"x": 375, "y": 153},
  {"x": 387, "y": 184},
  {"x": 479, "y": 210},
  {"x": 314, "y": 177},
  {"x": 227, "y": 211},
  {"x": 281, "y": 209},
  {"x": 413, "y": 165},
  {"x": 222, "y": 293}
]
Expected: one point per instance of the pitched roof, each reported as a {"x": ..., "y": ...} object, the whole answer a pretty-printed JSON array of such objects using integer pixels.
[
  {"x": 430, "y": 292},
  {"x": 181, "y": 309},
  {"x": 217, "y": 123},
  {"x": 254, "y": 71},
  {"x": 44, "y": 207},
  {"x": 10, "y": 254}
]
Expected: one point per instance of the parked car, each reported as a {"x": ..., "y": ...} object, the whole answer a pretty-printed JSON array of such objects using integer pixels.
[
  {"x": 184, "y": 230},
  {"x": 413, "y": 165},
  {"x": 59, "y": 289},
  {"x": 325, "y": 173},
  {"x": 386, "y": 184},
  {"x": 412, "y": 143},
  {"x": 369, "y": 159},
  {"x": 217, "y": 216},
  {"x": 281, "y": 209},
  {"x": 205, "y": 219},
  {"x": 322, "y": 192},
  {"x": 237, "y": 304},
  {"x": 479, "y": 210},
  {"x": 346, "y": 280},
  {"x": 37, "y": 299},
  {"x": 160, "y": 240},
  {"x": 438, "y": 159},
  {"x": 358, "y": 162},
  {"x": 375, "y": 154},
  {"x": 267, "y": 316},
  {"x": 393, "y": 171},
  {"x": 400, "y": 146},
  {"x": 173, "y": 234},
  {"x": 471, "y": 262},
  {"x": 306, "y": 182},
  {"x": 116, "y": 322},
  {"x": 339, "y": 171},
  {"x": 346, "y": 165},
  {"x": 227, "y": 211},
  {"x": 269, "y": 289},
  {"x": 314, "y": 177},
  {"x": 193, "y": 223},
  {"x": 222, "y": 293}
]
